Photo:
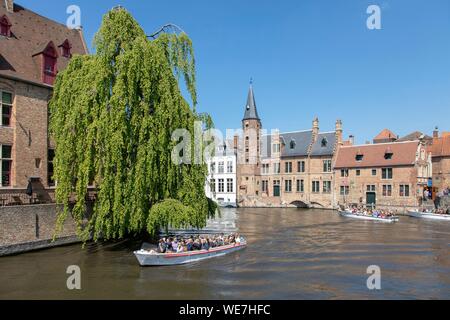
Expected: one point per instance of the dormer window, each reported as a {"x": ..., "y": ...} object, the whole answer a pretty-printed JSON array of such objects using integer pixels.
[
  {"x": 49, "y": 64},
  {"x": 324, "y": 142},
  {"x": 388, "y": 154},
  {"x": 5, "y": 26},
  {"x": 66, "y": 49},
  {"x": 292, "y": 144},
  {"x": 359, "y": 156}
]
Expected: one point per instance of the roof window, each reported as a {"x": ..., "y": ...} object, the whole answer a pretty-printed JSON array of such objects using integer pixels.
[{"x": 5, "y": 26}]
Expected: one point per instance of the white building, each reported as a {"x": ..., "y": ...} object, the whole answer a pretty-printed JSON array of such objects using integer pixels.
[{"x": 221, "y": 181}]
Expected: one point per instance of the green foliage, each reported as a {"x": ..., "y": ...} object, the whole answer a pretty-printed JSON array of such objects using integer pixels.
[
  {"x": 169, "y": 212},
  {"x": 112, "y": 117}
]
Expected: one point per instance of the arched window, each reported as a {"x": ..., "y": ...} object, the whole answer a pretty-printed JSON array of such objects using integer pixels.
[
  {"x": 5, "y": 26},
  {"x": 66, "y": 49},
  {"x": 49, "y": 58}
]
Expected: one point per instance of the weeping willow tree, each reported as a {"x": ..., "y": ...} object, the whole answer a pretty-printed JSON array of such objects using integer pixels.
[{"x": 112, "y": 118}]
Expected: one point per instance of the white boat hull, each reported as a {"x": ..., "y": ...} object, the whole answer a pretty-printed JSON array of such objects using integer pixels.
[
  {"x": 429, "y": 215},
  {"x": 363, "y": 217},
  {"x": 146, "y": 258}
]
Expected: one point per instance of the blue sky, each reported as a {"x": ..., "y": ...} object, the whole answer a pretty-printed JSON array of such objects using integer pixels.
[{"x": 307, "y": 58}]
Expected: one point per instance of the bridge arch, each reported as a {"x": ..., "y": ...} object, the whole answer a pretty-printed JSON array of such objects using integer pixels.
[
  {"x": 317, "y": 204},
  {"x": 299, "y": 204}
]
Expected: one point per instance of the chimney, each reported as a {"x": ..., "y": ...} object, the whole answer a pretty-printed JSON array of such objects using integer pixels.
[
  {"x": 339, "y": 131},
  {"x": 9, "y": 5},
  {"x": 315, "y": 128},
  {"x": 351, "y": 139},
  {"x": 436, "y": 132},
  {"x": 235, "y": 142}
]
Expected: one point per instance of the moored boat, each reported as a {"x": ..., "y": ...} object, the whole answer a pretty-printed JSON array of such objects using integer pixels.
[
  {"x": 151, "y": 258},
  {"x": 429, "y": 215},
  {"x": 362, "y": 216}
]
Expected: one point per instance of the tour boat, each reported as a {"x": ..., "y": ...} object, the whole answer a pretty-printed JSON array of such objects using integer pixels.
[
  {"x": 147, "y": 258},
  {"x": 362, "y": 216},
  {"x": 429, "y": 215}
]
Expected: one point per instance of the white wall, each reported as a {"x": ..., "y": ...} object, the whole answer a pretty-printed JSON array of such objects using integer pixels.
[{"x": 223, "y": 197}]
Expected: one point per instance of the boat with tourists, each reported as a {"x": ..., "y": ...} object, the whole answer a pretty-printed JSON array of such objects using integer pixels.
[
  {"x": 369, "y": 214},
  {"x": 176, "y": 251},
  {"x": 427, "y": 214}
]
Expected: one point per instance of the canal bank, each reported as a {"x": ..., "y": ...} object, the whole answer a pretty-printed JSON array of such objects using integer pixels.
[
  {"x": 32, "y": 227},
  {"x": 291, "y": 254}
]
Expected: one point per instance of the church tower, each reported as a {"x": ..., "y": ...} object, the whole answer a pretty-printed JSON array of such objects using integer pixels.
[{"x": 249, "y": 168}]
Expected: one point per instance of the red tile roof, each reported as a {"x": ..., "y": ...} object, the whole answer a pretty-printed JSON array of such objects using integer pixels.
[
  {"x": 30, "y": 34},
  {"x": 373, "y": 155},
  {"x": 440, "y": 146},
  {"x": 385, "y": 134}
]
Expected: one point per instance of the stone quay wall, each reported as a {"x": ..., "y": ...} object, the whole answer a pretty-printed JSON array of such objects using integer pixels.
[{"x": 31, "y": 227}]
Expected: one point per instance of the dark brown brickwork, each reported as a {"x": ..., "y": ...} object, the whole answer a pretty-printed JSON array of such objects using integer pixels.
[{"x": 21, "y": 74}]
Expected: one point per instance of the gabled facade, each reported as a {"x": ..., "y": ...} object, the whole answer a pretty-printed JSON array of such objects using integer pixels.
[
  {"x": 385, "y": 136},
  {"x": 33, "y": 49},
  {"x": 440, "y": 151},
  {"x": 384, "y": 174},
  {"x": 285, "y": 169}
]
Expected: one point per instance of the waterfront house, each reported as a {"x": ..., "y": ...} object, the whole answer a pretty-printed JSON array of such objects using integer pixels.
[
  {"x": 285, "y": 169},
  {"x": 33, "y": 49},
  {"x": 440, "y": 152},
  {"x": 221, "y": 180},
  {"x": 390, "y": 174}
]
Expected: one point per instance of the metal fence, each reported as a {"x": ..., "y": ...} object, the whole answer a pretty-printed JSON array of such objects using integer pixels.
[{"x": 19, "y": 197}]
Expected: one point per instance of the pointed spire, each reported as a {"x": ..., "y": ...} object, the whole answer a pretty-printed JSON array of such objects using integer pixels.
[{"x": 250, "y": 107}]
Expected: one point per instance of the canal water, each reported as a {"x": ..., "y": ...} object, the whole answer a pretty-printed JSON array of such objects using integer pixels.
[{"x": 291, "y": 254}]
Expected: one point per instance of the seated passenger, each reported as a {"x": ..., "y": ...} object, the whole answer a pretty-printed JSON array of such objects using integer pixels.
[
  {"x": 190, "y": 245},
  {"x": 169, "y": 244},
  {"x": 205, "y": 245},
  {"x": 162, "y": 246},
  {"x": 197, "y": 245}
]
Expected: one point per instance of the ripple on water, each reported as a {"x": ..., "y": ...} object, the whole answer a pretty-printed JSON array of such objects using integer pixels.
[{"x": 291, "y": 254}]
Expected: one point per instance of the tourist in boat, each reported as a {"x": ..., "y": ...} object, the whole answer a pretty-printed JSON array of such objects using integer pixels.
[
  {"x": 174, "y": 245},
  {"x": 162, "y": 246},
  {"x": 168, "y": 242},
  {"x": 180, "y": 247},
  {"x": 190, "y": 244},
  {"x": 197, "y": 245},
  {"x": 220, "y": 241},
  {"x": 205, "y": 244}
]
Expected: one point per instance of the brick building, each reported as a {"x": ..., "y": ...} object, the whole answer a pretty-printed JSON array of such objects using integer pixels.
[
  {"x": 387, "y": 135},
  {"x": 385, "y": 174},
  {"x": 440, "y": 151},
  {"x": 384, "y": 136},
  {"x": 285, "y": 169},
  {"x": 32, "y": 51}
]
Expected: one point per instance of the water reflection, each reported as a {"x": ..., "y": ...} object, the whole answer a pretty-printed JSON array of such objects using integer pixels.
[{"x": 292, "y": 254}]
